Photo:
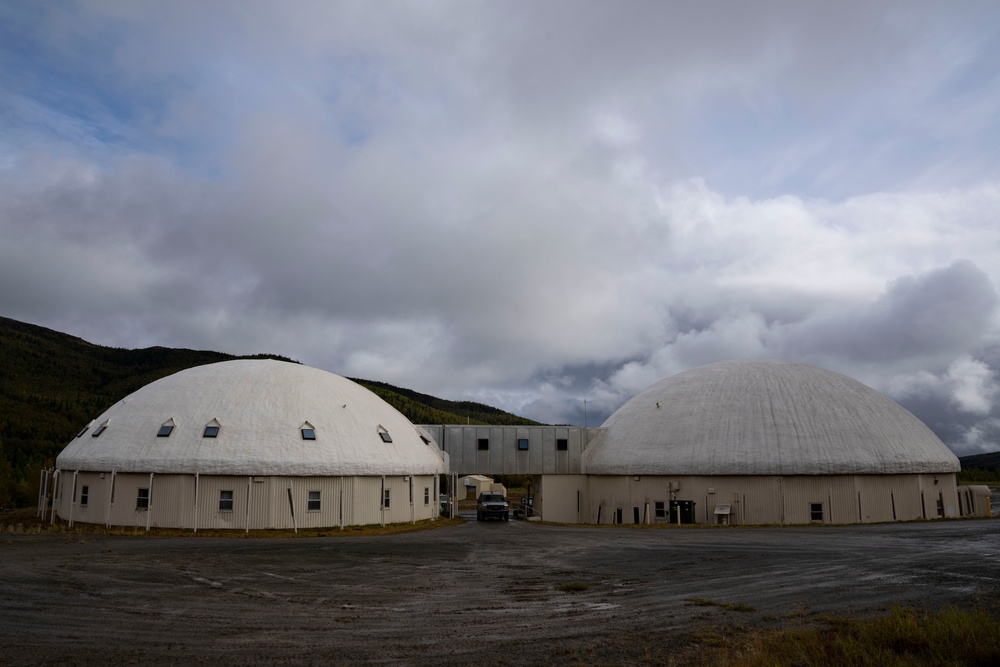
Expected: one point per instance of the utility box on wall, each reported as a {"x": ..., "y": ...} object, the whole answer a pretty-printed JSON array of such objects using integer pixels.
[{"x": 682, "y": 508}]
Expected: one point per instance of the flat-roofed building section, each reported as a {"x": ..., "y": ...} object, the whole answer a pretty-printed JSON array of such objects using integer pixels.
[{"x": 513, "y": 450}]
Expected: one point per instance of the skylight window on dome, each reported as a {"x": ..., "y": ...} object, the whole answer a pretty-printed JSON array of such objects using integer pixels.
[
  {"x": 211, "y": 430},
  {"x": 85, "y": 429},
  {"x": 100, "y": 429},
  {"x": 165, "y": 429},
  {"x": 308, "y": 433},
  {"x": 385, "y": 436}
]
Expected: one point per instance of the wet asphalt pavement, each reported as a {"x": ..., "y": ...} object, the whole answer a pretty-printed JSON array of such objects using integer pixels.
[{"x": 481, "y": 592}]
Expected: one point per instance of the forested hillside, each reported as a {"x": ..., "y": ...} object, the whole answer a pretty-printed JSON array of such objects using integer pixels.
[{"x": 52, "y": 384}]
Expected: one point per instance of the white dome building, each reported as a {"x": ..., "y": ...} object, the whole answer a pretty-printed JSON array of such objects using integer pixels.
[
  {"x": 765, "y": 418},
  {"x": 249, "y": 444},
  {"x": 759, "y": 442}
]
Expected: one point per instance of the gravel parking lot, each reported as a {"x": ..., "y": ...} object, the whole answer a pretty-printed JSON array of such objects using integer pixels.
[{"x": 479, "y": 593}]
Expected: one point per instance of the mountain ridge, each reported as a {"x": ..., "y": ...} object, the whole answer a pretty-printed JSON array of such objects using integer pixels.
[{"x": 53, "y": 383}]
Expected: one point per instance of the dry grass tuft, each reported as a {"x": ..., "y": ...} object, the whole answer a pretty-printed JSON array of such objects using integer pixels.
[{"x": 903, "y": 638}]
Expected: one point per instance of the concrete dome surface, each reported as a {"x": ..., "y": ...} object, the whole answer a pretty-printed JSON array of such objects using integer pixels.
[
  {"x": 765, "y": 417},
  {"x": 260, "y": 408}
]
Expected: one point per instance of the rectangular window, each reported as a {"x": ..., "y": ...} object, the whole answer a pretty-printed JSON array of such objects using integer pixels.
[
  {"x": 385, "y": 436},
  {"x": 225, "y": 501},
  {"x": 427, "y": 495},
  {"x": 815, "y": 511},
  {"x": 165, "y": 431},
  {"x": 314, "y": 501},
  {"x": 562, "y": 444},
  {"x": 522, "y": 443},
  {"x": 661, "y": 509},
  {"x": 84, "y": 495},
  {"x": 385, "y": 499},
  {"x": 211, "y": 432},
  {"x": 142, "y": 499},
  {"x": 308, "y": 434},
  {"x": 484, "y": 444}
]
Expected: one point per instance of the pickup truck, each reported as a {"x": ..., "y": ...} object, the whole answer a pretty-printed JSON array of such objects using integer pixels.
[{"x": 492, "y": 505}]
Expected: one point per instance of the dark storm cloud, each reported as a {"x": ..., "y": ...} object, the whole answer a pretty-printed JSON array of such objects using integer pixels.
[
  {"x": 945, "y": 311},
  {"x": 532, "y": 205}
]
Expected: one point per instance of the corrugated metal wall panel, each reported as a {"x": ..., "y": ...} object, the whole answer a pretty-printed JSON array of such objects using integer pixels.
[
  {"x": 123, "y": 510},
  {"x": 875, "y": 498},
  {"x": 503, "y": 456},
  {"x": 557, "y": 498},
  {"x": 97, "y": 494}
]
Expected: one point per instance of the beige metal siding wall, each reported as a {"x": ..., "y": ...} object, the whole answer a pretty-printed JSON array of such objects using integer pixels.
[
  {"x": 210, "y": 516},
  {"x": 763, "y": 499},
  {"x": 123, "y": 508},
  {"x": 399, "y": 501},
  {"x": 935, "y": 487},
  {"x": 327, "y": 515},
  {"x": 365, "y": 502},
  {"x": 556, "y": 498},
  {"x": 423, "y": 510},
  {"x": 905, "y": 497},
  {"x": 607, "y": 493},
  {"x": 95, "y": 510},
  {"x": 841, "y": 505},
  {"x": 171, "y": 501}
]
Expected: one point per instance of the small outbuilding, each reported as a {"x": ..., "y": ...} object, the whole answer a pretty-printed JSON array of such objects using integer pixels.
[{"x": 473, "y": 485}]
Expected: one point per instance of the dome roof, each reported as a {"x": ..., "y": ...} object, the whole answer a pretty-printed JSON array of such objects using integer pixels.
[
  {"x": 261, "y": 408},
  {"x": 764, "y": 418}
]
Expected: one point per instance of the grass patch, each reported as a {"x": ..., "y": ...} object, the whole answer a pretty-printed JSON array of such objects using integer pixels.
[
  {"x": 729, "y": 606},
  {"x": 904, "y": 637},
  {"x": 573, "y": 586}
]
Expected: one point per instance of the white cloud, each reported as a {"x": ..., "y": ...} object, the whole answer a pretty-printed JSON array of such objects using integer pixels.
[
  {"x": 532, "y": 204},
  {"x": 973, "y": 384}
]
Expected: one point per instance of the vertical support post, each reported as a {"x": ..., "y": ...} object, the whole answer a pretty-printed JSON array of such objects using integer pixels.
[
  {"x": 111, "y": 497},
  {"x": 247, "y": 515},
  {"x": 41, "y": 492},
  {"x": 197, "y": 490},
  {"x": 72, "y": 498},
  {"x": 149, "y": 504},
  {"x": 381, "y": 502},
  {"x": 55, "y": 489},
  {"x": 43, "y": 505},
  {"x": 291, "y": 508}
]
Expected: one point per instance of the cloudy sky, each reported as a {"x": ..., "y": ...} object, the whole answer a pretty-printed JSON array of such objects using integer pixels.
[{"x": 528, "y": 204}]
